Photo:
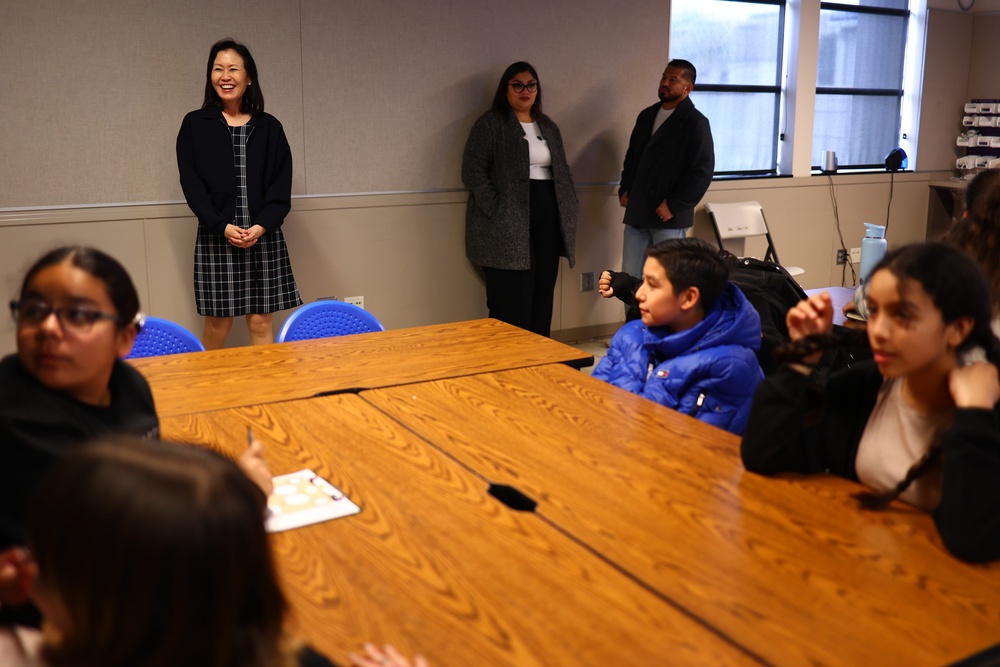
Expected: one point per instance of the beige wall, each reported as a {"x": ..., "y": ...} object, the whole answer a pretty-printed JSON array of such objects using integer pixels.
[
  {"x": 978, "y": 6},
  {"x": 405, "y": 253},
  {"x": 94, "y": 92},
  {"x": 946, "y": 87},
  {"x": 375, "y": 112},
  {"x": 984, "y": 79},
  {"x": 375, "y": 96}
]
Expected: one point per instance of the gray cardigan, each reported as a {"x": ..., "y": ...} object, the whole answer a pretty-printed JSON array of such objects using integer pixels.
[{"x": 495, "y": 171}]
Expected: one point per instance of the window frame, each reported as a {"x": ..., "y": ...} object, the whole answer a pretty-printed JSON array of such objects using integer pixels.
[
  {"x": 757, "y": 89},
  {"x": 899, "y": 94}
]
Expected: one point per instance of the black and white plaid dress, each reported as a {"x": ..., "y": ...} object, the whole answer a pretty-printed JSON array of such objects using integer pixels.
[{"x": 231, "y": 281}]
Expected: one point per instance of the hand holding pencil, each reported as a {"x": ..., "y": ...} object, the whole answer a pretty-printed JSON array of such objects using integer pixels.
[{"x": 253, "y": 464}]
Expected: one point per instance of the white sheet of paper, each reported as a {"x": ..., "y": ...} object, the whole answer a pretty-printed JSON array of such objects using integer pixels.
[{"x": 302, "y": 498}]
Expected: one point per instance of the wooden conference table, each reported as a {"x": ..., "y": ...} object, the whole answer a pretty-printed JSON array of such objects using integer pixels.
[
  {"x": 650, "y": 545},
  {"x": 433, "y": 563},
  {"x": 790, "y": 570},
  {"x": 238, "y": 376}
]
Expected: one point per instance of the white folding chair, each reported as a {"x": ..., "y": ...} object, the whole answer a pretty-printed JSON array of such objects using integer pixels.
[{"x": 740, "y": 221}]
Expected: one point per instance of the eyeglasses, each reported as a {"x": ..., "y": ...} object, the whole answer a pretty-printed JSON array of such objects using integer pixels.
[
  {"x": 78, "y": 319},
  {"x": 519, "y": 87}
]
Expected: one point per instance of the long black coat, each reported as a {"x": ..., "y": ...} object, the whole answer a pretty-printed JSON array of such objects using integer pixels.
[
  {"x": 208, "y": 174},
  {"x": 495, "y": 169},
  {"x": 675, "y": 164}
]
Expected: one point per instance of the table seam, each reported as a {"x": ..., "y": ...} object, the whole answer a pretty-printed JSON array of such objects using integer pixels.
[{"x": 614, "y": 565}]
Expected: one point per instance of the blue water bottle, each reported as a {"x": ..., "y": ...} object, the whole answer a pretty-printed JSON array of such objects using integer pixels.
[{"x": 872, "y": 250}]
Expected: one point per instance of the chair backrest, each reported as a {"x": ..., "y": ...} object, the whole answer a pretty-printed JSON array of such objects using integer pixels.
[
  {"x": 158, "y": 337},
  {"x": 741, "y": 220},
  {"x": 323, "y": 319},
  {"x": 772, "y": 291}
]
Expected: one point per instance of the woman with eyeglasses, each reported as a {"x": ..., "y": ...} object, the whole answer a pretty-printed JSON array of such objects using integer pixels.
[
  {"x": 75, "y": 318},
  {"x": 522, "y": 210}
]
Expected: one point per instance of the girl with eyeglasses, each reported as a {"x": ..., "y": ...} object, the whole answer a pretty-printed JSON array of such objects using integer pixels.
[
  {"x": 75, "y": 318},
  {"x": 522, "y": 210},
  {"x": 67, "y": 385}
]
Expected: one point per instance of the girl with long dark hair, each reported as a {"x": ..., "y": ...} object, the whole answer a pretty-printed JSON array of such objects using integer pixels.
[{"x": 920, "y": 421}]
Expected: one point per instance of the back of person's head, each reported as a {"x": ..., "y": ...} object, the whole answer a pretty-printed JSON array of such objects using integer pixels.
[
  {"x": 253, "y": 99},
  {"x": 979, "y": 192},
  {"x": 978, "y": 230},
  {"x": 501, "y": 104},
  {"x": 955, "y": 284},
  {"x": 155, "y": 555},
  {"x": 690, "y": 262},
  {"x": 690, "y": 73},
  {"x": 100, "y": 265}
]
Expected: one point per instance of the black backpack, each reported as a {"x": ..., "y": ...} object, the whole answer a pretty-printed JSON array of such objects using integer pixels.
[{"x": 772, "y": 292}]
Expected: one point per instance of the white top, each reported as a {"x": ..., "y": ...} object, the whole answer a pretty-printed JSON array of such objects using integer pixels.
[
  {"x": 661, "y": 116},
  {"x": 20, "y": 647},
  {"x": 539, "y": 154},
  {"x": 895, "y": 437}
]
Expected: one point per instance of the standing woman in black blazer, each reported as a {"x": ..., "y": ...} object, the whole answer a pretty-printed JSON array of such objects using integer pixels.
[
  {"x": 236, "y": 171},
  {"x": 522, "y": 209}
]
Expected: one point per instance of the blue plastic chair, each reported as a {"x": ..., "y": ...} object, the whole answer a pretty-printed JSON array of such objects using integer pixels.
[
  {"x": 158, "y": 337},
  {"x": 323, "y": 319}
]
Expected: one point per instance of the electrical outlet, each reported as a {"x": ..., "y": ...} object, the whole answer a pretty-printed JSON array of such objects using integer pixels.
[
  {"x": 588, "y": 281},
  {"x": 841, "y": 256},
  {"x": 358, "y": 301},
  {"x": 855, "y": 255}
]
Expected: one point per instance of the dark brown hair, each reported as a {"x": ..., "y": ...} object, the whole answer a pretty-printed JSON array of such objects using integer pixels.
[
  {"x": 957, "y": 287},
  {"x": 501, "y": 105},
  {"x": 977, "y": 232},
  {"x": 100, "y": 265},
  {"x": 690, "y": 262},
  {"x": 689, "y": 73},
  {"x": 158, "y": 554},
  {"x": 253, "y": 98}
]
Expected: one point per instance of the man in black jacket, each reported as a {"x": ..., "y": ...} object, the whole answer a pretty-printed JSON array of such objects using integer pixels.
[{"x": 668, "y": 167}]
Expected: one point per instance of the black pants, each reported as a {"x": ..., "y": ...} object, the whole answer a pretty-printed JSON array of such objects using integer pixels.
[{"x": 524, "y": 298}]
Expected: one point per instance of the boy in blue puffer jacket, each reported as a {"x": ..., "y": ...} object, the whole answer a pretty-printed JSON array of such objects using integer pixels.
[{"x": 694, "y": 348}]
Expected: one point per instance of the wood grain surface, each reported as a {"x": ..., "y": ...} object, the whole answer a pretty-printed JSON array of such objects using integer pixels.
[
  {"x": 234, "y": 377},
  {"x": 434, "y": 564},
  {"x": 790, "y": 568}
]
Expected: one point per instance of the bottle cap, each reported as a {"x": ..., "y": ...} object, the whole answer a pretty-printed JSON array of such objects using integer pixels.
[{"x": 875, "y": 231}]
